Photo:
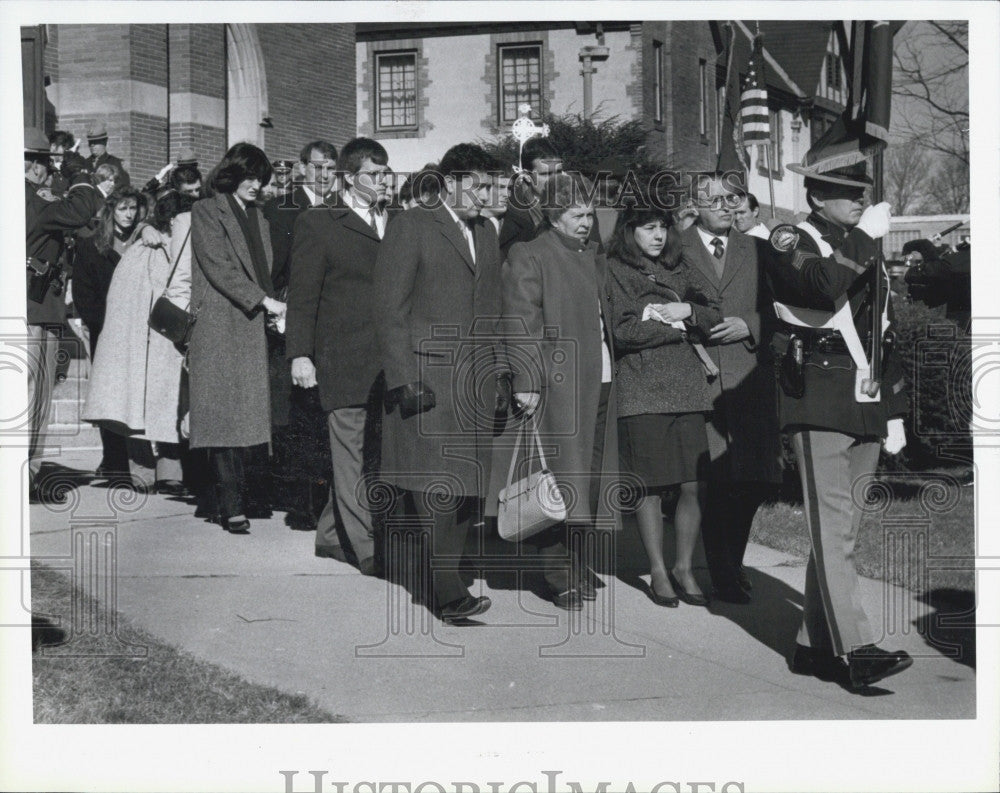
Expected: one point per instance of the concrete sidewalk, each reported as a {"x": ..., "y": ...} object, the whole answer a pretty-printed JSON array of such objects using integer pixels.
[{"x": 262, "y": 605}]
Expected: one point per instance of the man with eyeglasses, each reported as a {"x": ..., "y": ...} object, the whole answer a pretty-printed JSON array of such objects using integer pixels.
[
  {"x": 331, "y": 339},
  {"x": 742, "y": 430}
]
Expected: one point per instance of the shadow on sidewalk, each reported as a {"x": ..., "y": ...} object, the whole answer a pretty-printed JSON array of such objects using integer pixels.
[
  {"x": 950, "y": 626},
  {"x": 774, "y": 616}
]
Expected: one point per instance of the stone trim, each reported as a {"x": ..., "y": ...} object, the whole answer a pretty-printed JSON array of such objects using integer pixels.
[
  {"x": 491, "y": 123},
  {"x": 367, "y": 87}
]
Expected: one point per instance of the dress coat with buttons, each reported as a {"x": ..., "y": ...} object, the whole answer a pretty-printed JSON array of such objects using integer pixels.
[
  {"x": 330, "y": 302},
  {"x": 435, "y": 314},
  {"x": 230, "y": 398},
  {"x": 743, "y": 438}
]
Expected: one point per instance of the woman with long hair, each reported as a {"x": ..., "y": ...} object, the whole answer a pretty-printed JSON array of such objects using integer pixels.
[
  {"x": 135, "y": 384},
  {"x": 235, "y": 300},
  {"x": 658, "y": 310},
  {"x": 97, "y": 256}
]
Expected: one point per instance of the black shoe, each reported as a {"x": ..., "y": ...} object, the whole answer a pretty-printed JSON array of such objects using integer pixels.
[
  {"x": 822, "y": 664},
  {"x": 731, "y": 594},
  {"x": 171, "y": 487},
  {"x": 331, "y": 552},
  {"x": 683, "y": 594},
  {"x": 464, "y": 608},
  {"x": 46, "y": 495},
  {"x": 241, "y": 526},
  {"x": 570, "y": 600},
  {"x": 743, "y": 579},
  {"x": 586, "y": 589},
  {"x": 869, "y": 664},
  {"x": 660, "y": 600}
]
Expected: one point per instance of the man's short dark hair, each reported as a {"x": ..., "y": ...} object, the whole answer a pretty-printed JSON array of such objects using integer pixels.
[
  {"x": 357, "y": 150},
  {"x": 423, "y": 186},
  {"x": 167, "y": 207},
  {"x": 752, "y": 202},
  {"x": 183, "y": 174},
  {"x": 537, "y": 149},
  {"x": 466, "y": 158},
  {"x": 62, "y": 138},
  {"x": 328, "y": 149},
  {"x": 242, "y": 161}
]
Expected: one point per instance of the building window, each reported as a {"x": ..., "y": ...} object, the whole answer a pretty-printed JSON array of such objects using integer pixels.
[
  {"x": 720, "y": 116},
  {"x": 520, "y": 80},
  {"x": 833, "y": 79},
  {"x": 774, "y": 148},
  {"x": 703, "y": 97},
  {"x": 396, "y": 90},
  {"x": 658, "y": 82}
]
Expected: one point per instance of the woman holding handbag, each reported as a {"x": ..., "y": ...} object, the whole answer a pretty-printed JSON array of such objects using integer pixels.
[
  {"x": 555, "y": 310},
  {"x": 235, "y": 301},
  {"x": 135, "y": 382},
  {"x": 659, "y": 314}
]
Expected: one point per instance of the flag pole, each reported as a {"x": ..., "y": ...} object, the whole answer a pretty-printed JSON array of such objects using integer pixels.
[{"x": 767, "y": 148}]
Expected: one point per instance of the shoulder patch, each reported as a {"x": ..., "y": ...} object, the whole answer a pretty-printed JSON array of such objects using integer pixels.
[{"x": 784, "y": 238}]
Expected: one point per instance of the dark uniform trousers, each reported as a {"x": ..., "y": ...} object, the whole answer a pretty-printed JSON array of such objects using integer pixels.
[{"x": 42, "y": 360}]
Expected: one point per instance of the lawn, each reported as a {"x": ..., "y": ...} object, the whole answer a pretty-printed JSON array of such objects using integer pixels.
[{"x": 167, "y": 686}]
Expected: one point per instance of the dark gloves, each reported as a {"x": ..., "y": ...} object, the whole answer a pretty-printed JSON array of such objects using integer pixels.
[
  {"x": 412, "y": 398},
  {"x": 505, "y": 394}
]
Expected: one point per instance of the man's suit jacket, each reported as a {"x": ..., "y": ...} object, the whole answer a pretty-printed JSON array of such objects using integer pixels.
[
  {"x": 123, "y": 180},
  {"x": 743, "y": 433},
  {"x": 330, "y": 302},
  {"x": 435, "y": 315},
  {"x": 281, "y": 213}
]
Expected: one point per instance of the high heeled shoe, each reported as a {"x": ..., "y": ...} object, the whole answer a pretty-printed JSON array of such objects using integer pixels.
[
  {"x": 688, "y": 597},
  {"x": 671, "y": 602}
]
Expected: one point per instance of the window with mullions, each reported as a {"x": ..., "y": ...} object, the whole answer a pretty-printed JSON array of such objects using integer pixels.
[
  {"x": 520, "y": 80},
  {"x": 396, "y": 90}
]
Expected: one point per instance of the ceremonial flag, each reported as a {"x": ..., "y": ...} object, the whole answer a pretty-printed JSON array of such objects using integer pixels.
[
  {"x": 732, "y": 154},
  {"x": 755, "y": 120}
]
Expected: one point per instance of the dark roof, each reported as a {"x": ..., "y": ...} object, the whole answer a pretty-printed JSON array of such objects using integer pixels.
[{"x": 382, "y": 31}]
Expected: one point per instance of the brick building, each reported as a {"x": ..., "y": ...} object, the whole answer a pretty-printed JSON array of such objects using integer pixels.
[
  {"x": 424, "y": 86},
  {"x": 159, "y": 88}
]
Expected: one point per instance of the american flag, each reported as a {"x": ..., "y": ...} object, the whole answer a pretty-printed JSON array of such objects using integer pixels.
[{"x": 754, "y": 118}]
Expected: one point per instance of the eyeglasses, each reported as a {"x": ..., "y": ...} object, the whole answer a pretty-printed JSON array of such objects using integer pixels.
[{"x": 728, "y": 200}]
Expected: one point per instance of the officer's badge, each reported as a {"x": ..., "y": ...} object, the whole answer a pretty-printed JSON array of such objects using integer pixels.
[{"x": 784, "y": 238}]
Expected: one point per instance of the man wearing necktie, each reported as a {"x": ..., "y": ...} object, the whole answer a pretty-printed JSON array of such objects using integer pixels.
[
  {"x": 437, "y": 287},
  {"x": 331, "y": 340},
  {"x": 743, "y": 439}
]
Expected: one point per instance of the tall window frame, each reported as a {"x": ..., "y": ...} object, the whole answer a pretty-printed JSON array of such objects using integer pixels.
[
  {"x": 657, "y": 82},
  {"x": 396, "y": 91},
  {"x": 520, "y": 70}
]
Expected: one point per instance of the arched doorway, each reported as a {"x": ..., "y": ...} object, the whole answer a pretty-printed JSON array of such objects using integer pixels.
[{"x": 246, "y": 86}]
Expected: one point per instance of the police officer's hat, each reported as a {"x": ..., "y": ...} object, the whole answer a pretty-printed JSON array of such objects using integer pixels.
[
  {"x": 187, "y": 157},
  {"x": 97, "y": 133},
  {"x": 36, "y": 145},
  {"x": 837, "y": 157},
  {"x": 283, "y": 165}
]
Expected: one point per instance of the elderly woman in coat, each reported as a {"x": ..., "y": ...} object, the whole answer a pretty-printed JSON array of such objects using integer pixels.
[
  {"x": 659, "y": 307},
  {"x": 234, "y": 298},
  {"x": 555, "y": 309},
  {"x": 135, "y": 383}
]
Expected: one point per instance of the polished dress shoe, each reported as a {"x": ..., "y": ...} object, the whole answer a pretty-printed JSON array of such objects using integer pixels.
[
  {"x": 688, "y": 597},
  {"x": 731, "y": 594},
  {"x": 570, "y": 600},
  {"x": 869, "y": 664},
  {"x": 661, "y": 600},
  {"x": 743, "y": 579},
  {"x": 171, "y": 487},
  {"x": 822, "y": 664},
  {"x": 464, "y": 608},
  {"x": 241, "y": 526},
  {"x": 586, "y": 589},
  {"x": 46, "y": 495},
  {"x": 331, "y": 552}
]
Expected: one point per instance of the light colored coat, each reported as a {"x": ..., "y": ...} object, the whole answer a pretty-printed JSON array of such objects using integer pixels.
[
  {"x": 135, "y": 381},
  {"x": 230, "y": 397}
]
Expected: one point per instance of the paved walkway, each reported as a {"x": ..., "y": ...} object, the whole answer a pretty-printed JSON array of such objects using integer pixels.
[{"x": 262, "y": 605}]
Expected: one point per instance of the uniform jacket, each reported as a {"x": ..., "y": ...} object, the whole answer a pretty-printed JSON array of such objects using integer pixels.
[
  {"x": 46, "y": 224},
  {"x": 330, "y": 303},
  {"x": 743, "y": 435},
  {"x": 435, "y": 315},
  {"x": 803, "y": 277},
  {"x": 124, "y": 180},
  {"x": 555, "y": 314},
  {"x": 657, "y": 369},
  {"x": 230, "y": 398}
]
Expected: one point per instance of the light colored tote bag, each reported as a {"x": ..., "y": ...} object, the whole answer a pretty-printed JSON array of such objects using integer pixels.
[{"x": 532, "y": 503}]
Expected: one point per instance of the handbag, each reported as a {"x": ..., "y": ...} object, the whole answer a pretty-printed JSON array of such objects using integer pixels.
[
  {"x": 532, "y": 503},
  {"x": 167, "y": 318}
]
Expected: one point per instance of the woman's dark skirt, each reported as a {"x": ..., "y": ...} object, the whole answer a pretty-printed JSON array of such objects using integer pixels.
[{"x": 664, "y": 449}]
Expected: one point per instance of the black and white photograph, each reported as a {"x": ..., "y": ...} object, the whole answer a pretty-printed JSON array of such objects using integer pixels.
[{"x": 467, "y": 397}]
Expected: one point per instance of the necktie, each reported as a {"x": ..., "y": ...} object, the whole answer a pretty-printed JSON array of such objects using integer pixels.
[
  {"x": 466, "y": 229},
  {"x": 372, "y": 215},
  {"x": 720, "y": 249}
]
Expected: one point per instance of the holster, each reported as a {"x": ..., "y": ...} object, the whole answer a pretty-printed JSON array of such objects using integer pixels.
[
  {"x": 791, "y": 368},
  {"x": 40, "y": 278}
]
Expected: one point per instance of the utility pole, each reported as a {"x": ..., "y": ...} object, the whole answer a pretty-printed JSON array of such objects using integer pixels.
[{"x": 589, "y": 55}]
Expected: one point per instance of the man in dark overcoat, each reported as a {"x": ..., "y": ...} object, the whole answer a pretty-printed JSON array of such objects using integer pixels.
[
  {"x": 46, "y": 225},
  {"x": 330, "y": 336},
  {"x": 743, "y": 441},
  {"x": 822, "y": 278},
  {"x": 97, "y": 140},
  {"x": 437, "y": 300}
]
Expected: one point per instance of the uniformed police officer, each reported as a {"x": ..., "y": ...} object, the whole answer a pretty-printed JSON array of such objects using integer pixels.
[
  {"x": 46, "y": 225},
  {"x": 836, "y": 408},
  {"x": 97, "y": 140}
]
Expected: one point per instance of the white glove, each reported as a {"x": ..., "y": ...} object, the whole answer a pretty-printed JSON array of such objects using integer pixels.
[
  {"x": 895, "y": 438},
  {"x": 875, "y": 220},
  {"x": 164, "y": 171}
]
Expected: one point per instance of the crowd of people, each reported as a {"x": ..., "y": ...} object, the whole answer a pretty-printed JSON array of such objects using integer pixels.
[{"x": 445, "y": 324}]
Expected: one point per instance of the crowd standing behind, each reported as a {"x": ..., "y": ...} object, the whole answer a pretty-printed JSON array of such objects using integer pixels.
[{"x": 441, "y": 328}]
